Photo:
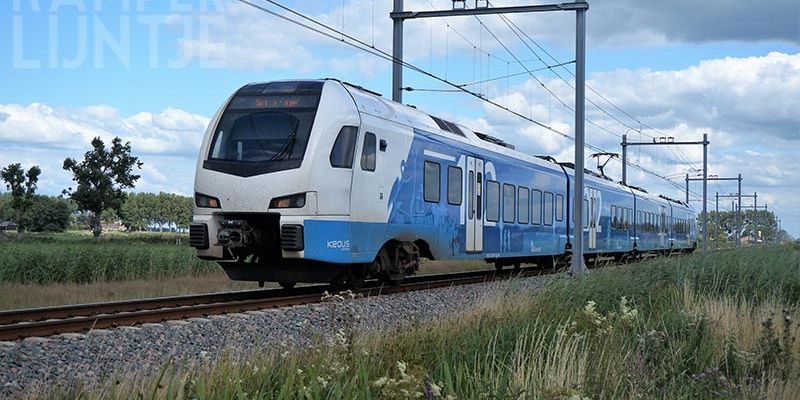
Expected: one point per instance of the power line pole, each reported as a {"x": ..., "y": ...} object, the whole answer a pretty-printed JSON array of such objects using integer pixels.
[
  {"x": 399, "y": 15},
  {"x": 755, "y": 215},
  {"x": 687, "y": 188},
  {"x": 578, "y": 266},
  {"x": 716, "y": 220},
  {"x": 624, "y": 157},
  {"x": 739, "y": 216},
  {"x": 397, "y": 53},
  {"x": 705, "y": 193},
  {"x": 717, "y": 178},
  {"x": 670, "y": 141}
]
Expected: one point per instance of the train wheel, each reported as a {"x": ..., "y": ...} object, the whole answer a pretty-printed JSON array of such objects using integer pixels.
[
  {"x": 386, "y": 272},
  {"x": 356, "y": 276},
  {"x": 287, "y": 284},
  {"x": 498, "y": 266}
]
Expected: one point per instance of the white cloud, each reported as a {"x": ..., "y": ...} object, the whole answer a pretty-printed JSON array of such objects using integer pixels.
[
  {"x": 245, "y": 38},
  {"x": 746, "y": 105},
  {"x": 167, "y": 142}
]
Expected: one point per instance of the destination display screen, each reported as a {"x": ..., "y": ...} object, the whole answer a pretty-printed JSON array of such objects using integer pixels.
[{"x": 273, "y": 101}]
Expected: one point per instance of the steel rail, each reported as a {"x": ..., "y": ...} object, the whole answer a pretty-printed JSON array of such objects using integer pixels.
[
  {"x": 67, "y": 319},
  {"x": 81, "y": 310}
]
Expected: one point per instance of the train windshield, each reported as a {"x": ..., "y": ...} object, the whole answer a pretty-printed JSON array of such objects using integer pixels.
[{"x": 265, "y": 128}]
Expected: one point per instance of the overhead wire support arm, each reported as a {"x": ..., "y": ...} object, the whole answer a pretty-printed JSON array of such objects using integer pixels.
[
  {"x": 399, "y": 15},
  {"x": 739, "y": 219},
  {"x": 670, "y": 141},
  {"x": 489, "y": 10}
]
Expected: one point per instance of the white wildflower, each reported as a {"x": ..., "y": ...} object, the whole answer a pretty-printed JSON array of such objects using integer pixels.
[
  {"x": 401, "y": 367},
  {"x": 380, "y": 382},
  {"x": 436, "y": 390}
]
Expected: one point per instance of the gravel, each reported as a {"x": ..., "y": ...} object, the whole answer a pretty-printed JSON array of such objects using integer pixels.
[{"x": 70, "y": 359}]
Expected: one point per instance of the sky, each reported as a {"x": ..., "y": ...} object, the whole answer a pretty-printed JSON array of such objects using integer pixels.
[{"x": 154, "y": 72}]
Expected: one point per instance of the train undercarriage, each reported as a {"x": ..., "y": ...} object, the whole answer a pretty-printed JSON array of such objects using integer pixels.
[{"x": 253, "y": 246}]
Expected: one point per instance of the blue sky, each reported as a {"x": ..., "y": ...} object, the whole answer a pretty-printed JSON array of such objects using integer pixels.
[{"x": 154, "y": 72}]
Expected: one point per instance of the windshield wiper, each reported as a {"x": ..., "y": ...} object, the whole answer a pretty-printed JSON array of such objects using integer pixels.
[{"x": 287, "y": 148}]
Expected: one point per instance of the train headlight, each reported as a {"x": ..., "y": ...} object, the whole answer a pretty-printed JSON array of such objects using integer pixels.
[
  {"x": 293, "y": 201},
  {"x": 204, "y": 201}
]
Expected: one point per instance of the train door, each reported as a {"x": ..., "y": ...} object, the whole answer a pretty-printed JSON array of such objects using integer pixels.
[
  {"x": 474, "y": 209},
  {"x": 594, "y": 204},
  {"x": 662, "y": 230}
]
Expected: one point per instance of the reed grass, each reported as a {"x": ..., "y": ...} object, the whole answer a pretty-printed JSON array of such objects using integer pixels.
[
  {"x": 77, "y": 258},
  {"x": 716, "y": 327}
]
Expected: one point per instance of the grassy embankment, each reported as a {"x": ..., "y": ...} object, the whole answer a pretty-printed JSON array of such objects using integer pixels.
[
  {"x": 73, "y": 267},
  {"x": 680, "y": 328}
]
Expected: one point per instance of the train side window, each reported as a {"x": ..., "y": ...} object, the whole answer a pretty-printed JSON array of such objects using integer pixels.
[
  {"x": 431, "y": 182},
  {"x": 536, "y": 207},
  {"x": 368, "y": 152},
  {"x": 471, "y": 194},
  {"x": 548, "y": 208},
  {"x": 622, "y": 213},
  {"x": 492, "y": 201},
  {"x": 559, "y": 207},
  {"x": 613, "y": 217},
  {"x": 479, "y": 195},
  {"x": 585, "y": 213},
  {"x": 523, "y": 205},
  {"x": 509, "y": 198},
  {"x": 455, "y": 182},
  {"x": 344, "y": 147}
]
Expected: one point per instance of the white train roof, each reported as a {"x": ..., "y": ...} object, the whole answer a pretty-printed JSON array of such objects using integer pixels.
[{"x": 374, "y": 104}]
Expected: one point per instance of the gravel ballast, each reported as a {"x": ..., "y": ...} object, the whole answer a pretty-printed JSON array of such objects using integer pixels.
[{"x": 102, "y": 354}]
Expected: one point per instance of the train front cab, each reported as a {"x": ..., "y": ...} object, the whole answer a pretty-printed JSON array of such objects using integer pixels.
[{"x": 276, "y": 156}]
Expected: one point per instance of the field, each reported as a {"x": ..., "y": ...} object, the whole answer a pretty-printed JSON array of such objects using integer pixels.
[
  {"x": 680, "y": 328},
  {"x": 73, "y": 267},
  {"x": 78, "y": 258}
]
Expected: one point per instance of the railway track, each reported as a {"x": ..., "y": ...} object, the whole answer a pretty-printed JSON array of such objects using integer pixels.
[{"x": 47, "y": 321}]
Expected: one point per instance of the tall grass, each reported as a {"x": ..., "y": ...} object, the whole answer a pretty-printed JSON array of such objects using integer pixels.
[
  {"x": 682, "y": 328},
  {"x": 77, "y": 258}
]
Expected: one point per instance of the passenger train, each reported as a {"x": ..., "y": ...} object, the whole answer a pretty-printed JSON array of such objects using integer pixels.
[{"x": 325, "y": 181}]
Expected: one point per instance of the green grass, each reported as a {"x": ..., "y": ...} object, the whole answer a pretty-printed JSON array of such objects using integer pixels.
[
  {"x": 680, "y": 328},
  {"x": 79, "y": 258}
]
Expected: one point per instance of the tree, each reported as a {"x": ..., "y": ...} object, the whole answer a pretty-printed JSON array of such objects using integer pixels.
[
  {"x": 137, "y": 211},
  {"x": 22, "y": 186},
  {"x": 49, "y": 214},
  {"x": 6, "y": 212},
  {"x": 184, "y": 215},
  {"x": 101, "y": 177},
  {"x": 143, "y": 209}
]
